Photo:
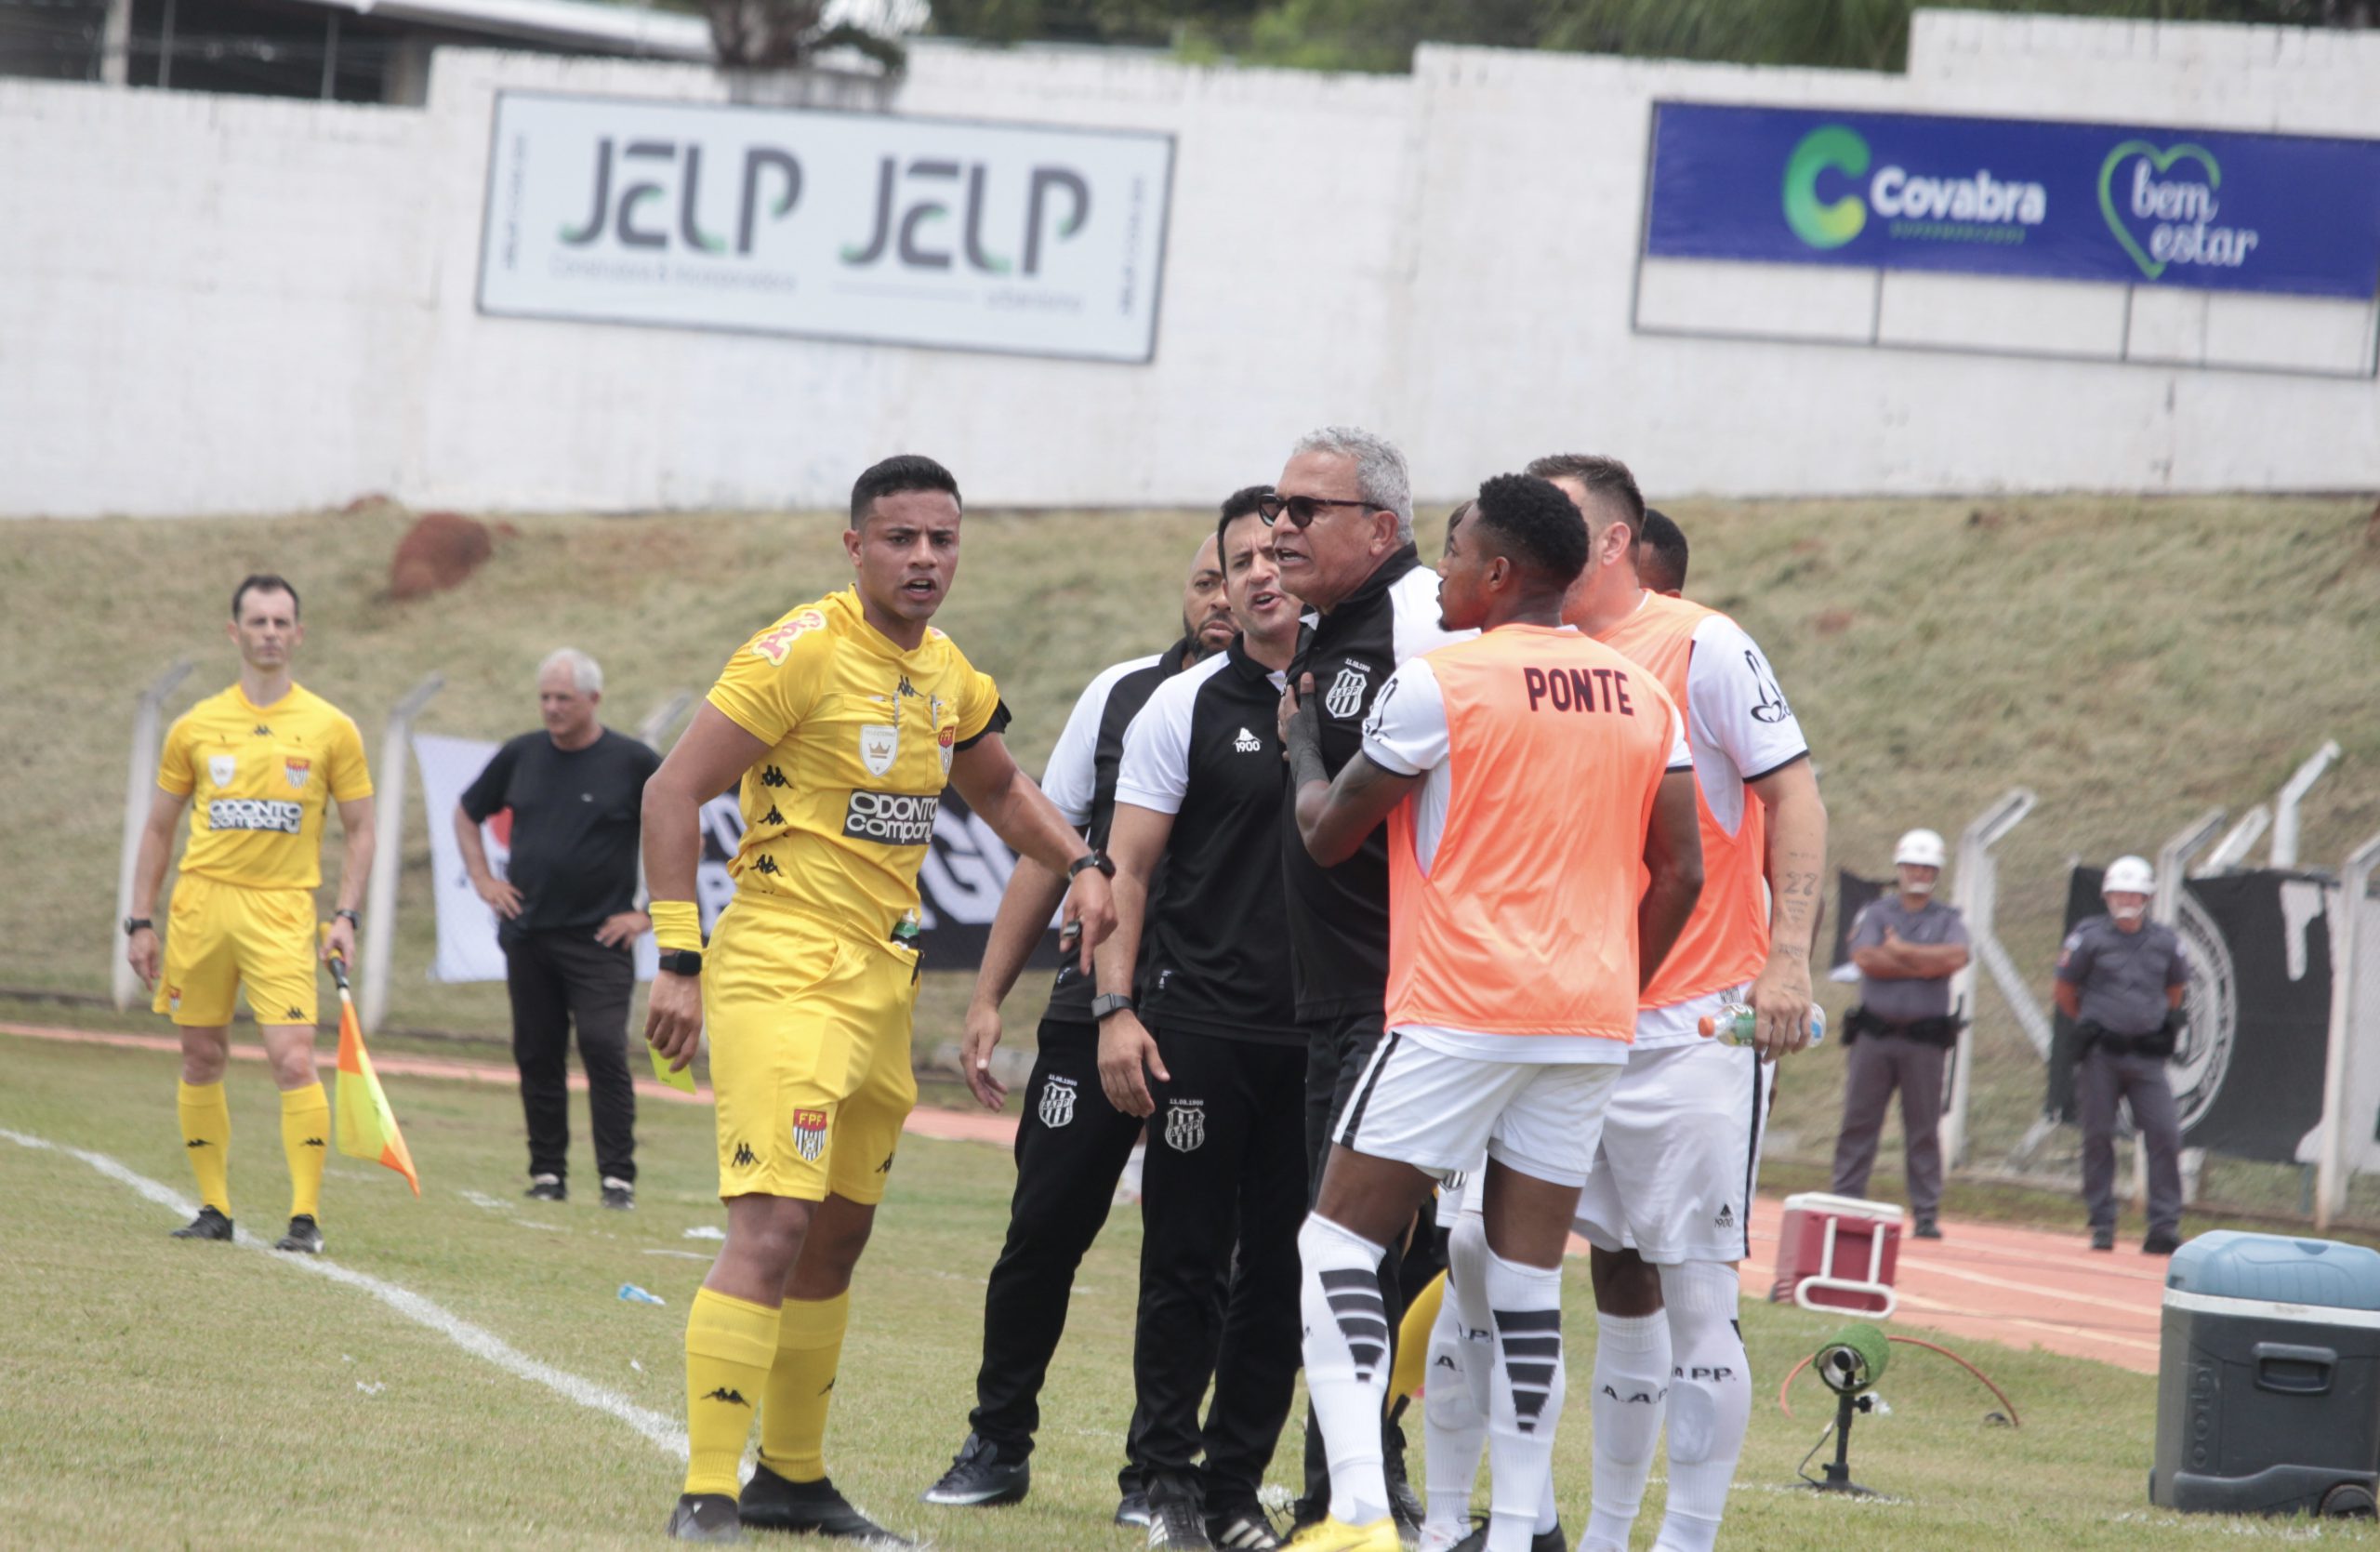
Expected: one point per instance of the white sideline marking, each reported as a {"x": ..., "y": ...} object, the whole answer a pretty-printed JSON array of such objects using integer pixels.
[{"x": 664, "y": 1432}]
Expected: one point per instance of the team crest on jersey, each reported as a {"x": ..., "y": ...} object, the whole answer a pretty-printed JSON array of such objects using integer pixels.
[
  {"x": 296, "y": 769},
  {"x": 878, "y": 745},
  {"x": 778, "y": 639},
  {"x": 947, "y": 737},
  {"x": 1186, "y": 1125},
  {"x": 1058, "y": 1102},
  {"x": 1346, "y": 695},
  {"x": 810, "y": 1134},
  {"x": 221, "y": 768}
]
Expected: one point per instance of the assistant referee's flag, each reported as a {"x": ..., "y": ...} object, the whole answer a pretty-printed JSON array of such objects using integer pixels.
[{"x": 367, "y": 1128}]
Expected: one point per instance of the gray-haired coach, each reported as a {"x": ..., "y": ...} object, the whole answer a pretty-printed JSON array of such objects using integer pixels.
[{"x": 566, "y": 916}]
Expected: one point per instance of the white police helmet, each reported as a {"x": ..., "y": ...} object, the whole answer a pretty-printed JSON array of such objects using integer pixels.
[
  {"x": 1919, "y": 848},
  {"x": 2129, "y": 875}
]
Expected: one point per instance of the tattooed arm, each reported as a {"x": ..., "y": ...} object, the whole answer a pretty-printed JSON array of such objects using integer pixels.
[
  {"x": 1796, "y": 871},
  {"x": 1334, "y": 817}
]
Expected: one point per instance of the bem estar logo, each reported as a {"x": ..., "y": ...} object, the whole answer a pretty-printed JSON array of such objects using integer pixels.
[
  {"x": 2183, "y": 207},
  {"x": 1969, "y": 208}
]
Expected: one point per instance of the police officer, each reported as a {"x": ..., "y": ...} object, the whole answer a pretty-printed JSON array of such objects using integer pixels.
[
  {"x": 1070, "y": 1143},
  {"x": 1908, "y": 945},
  {"x": 1198, "y": 1032},
  {"x": 2121, "y": 978}
]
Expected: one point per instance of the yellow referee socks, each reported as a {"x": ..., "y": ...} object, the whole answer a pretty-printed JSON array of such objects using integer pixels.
[
  {"x": 306, "y": 1137},
  {"x": 728, "y": 1345},
  {"x": 206, "y": 1137},
  {"x": 793, "y": 1411}
]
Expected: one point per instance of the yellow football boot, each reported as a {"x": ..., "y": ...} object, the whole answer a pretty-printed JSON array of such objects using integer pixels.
[{"x": 1334, "y": 1535}]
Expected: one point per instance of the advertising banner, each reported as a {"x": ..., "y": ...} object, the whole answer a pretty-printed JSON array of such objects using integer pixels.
[
  {"x": 966, "y": 868},
  {"x": 938, "y": 232},
  {"x": 2121, "y": 203}
]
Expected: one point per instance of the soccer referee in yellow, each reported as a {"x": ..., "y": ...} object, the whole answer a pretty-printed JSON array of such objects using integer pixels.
[
  {"x": 843, "y": 721},
  {"x": 264, "y": 759}
]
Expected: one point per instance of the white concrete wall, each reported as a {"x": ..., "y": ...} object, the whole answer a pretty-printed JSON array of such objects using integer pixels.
[{"x": 215, "y": 304}]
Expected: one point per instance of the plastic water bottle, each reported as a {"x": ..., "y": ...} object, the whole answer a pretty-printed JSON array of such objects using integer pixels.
[
  {"x": 1736, "y": 1022},
  {"x": 631, "y": 1293}
]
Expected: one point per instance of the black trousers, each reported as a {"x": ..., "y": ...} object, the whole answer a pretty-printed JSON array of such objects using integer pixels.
[
  {"x": 1222, "y": 1193},
  {"x": 556, "y": 978},
  {"x": 1070, "y": 1147},
  {"x": 1336, "y": 1052}
]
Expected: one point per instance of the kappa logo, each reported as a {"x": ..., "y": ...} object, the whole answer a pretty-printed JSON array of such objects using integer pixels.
[
  {"x": 313, "y": 1142},
  {"x": 778, "y": 639},
  {"x": 764, "y": 863},
  {"x": 880, "y": 745},
  {"x": 744, "y": 1158},
  {"x": 884, "y": 1168},
  {"x": 261, "y": 732},
  {"x": 1247, "y": 743},
  {"x": 908, "y": 689},
  {"x": 295, "y": 770},
  {"x": 1346, "y": 694},
  {"x": 772, "y": 776},
  {"x": 733, "y": 1397},
  {"x": 254, "y": 814},
  {"x": 1057, "y": 1106},
  {"x": 892, "y": 819},
  {"x": 221, "y": 768},
  {"x": 196, "y": 1142},
  {"x": 1186, "y": 1125},
  {"x": 1445, "y": 1361},
  {"x": 294, "y": 1012},
  {"x": 810, "y": 1134},
  {"x": 1636, "y": 1398},
  {"x": 772, "y": 816}
]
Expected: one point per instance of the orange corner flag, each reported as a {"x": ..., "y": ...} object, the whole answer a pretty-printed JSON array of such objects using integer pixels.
[{"x": 367, "y": 1128}]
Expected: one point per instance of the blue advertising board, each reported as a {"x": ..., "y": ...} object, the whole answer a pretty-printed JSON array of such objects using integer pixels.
[{"x": 2116, "y": 203}]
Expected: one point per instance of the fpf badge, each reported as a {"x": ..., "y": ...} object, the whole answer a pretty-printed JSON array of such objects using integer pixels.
[{"x": 810, "y": 1134}]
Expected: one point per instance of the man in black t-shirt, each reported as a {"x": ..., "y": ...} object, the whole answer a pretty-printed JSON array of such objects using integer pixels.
[
  {"x": 1199, "y": 1034},
  {"x": 566, "y": 916}
]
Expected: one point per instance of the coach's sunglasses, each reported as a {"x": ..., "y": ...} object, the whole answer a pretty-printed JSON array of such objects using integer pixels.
[{"x": 1300, "y": 510}]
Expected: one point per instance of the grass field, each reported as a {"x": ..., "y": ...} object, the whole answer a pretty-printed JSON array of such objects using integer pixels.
[
  {"x": 2134, "y": 661},
  {"x": 159, "y": 1393}
]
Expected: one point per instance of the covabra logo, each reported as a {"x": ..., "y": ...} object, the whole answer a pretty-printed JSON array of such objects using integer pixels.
[
  {"x": 1971, "y": 209},
  {"x": 2182, "y": 208}
]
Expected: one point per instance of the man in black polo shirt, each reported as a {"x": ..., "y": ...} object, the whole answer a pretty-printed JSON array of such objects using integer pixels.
[
  {"x": 568, "y": 917},
  {"x": 1070, "y": 1143},
  {"x": 1343, "y": 527},
  {"x": 1198, "y": 1032}
]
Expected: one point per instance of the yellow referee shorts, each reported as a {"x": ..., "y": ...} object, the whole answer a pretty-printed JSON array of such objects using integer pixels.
[
  {"x": 220, "y": 937},
  {"x": 808, "y": 1053}
]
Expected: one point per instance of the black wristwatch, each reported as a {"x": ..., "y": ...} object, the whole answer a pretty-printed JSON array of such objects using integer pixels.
[
  {"x": 683, "y": 961},
  {"x": 134, "y": 924},
  {"x": 1108, "y": 1002},
  {"x": 1090, "y": 859},
  {"x": 354, "y": 920}
]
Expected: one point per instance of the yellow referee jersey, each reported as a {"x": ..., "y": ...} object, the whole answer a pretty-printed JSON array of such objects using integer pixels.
[
  {"x": 262, "y": 777},
  {"x": 836, "y": 815}
]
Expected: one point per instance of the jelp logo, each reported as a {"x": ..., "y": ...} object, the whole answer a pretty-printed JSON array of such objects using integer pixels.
[
  {"x": 669, "y": 164},
  {"x": 1976, "y": 208}
]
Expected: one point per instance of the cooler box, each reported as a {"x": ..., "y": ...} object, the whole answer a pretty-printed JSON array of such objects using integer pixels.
[
  {"x": 1837, "y": 1255},
  {"x": 2269, "y": 1377}
]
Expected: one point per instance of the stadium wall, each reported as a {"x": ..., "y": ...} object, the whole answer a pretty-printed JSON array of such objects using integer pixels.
[{"x": 222, "y": 304}]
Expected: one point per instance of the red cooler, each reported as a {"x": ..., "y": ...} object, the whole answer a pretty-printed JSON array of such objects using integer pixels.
[{"x": 1837, "y": 1255}]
